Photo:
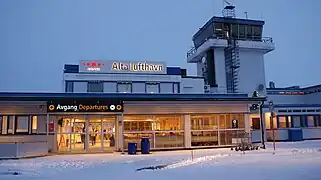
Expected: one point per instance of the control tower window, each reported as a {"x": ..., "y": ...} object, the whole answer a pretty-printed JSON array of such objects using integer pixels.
[
  {"x": 242, "y": 31},
  {"x": 219, "y": 30},
  {"x": 249, "y": 31},
  {"x": 235, "y": 30},
  {"x": 257, "y": 32}
]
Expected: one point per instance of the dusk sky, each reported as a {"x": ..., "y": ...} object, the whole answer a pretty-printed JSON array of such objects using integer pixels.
[{"x": 37, "y": 37}]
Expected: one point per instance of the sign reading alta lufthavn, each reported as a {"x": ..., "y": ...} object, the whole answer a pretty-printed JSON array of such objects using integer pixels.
[{"x": 145, "y": 67}]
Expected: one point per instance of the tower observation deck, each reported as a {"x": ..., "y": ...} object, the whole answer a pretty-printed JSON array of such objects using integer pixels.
[{"x": 225, "y": 45}]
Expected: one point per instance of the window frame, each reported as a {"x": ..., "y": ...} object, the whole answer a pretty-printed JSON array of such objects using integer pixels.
[
  {"x": 101, "y": 83},
  {"x": 152, "y": 83},
  {"x": 16, "y": 124},
  {"x": 66, "y": 86},
  {"x": 128, "y": 83},
  {"x": 13, "y": 124}
]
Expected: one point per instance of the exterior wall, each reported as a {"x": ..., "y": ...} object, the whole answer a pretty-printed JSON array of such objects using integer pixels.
[
  {"x": 192, "y": 86},
  {"x": 175, "y": 107},
  {"x": 138, "y": 81},
  {"x": 312, "y": 133},
  {"x": 219, "y": 59},
  {"x": 251, "y": 72},
  {"x": 23, "y": 146},
  {"x": 121, "y": 77},
  {"x": 280, "y": 135},
  {"x": 22, "y": 108},
  {"x": 314, "y": 98},
  {"x": 287, "y": 99}
]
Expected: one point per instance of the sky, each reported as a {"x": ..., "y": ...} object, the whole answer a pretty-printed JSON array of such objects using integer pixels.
[{"x": 37, "y": 37}]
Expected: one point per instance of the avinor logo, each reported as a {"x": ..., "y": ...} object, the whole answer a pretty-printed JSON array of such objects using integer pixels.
[{"x": 84, "y": 107}]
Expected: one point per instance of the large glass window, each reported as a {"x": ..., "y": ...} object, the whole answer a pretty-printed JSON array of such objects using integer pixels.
[
  {"x": 69, "y": 86},
  {"x": 95, "y": 86},
  {"x": 201, "y": 122},
  {"x": 282, "y": 122},
  {"x": 311, "y": 122},
  {"x": 22, "y": 124},
  {"x": 207, "y": 128},
  {"x": 152, "y": 87},
  {"x": 165, "y": 130},
  {"x": 168, "y": 123},
  {"x": 124, "y": 87}
]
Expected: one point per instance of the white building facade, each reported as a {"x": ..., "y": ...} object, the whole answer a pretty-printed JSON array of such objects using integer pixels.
[{"x": 121, "y": 77}]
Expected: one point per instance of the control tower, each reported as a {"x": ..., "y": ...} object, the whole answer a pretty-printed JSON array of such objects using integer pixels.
[{"x": 229, "y": 53}]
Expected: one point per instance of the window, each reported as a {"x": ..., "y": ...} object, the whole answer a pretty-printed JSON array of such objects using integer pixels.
[
  {"x": 289, "y": 121},
  {"x": 311, "y": 122},
  {"x": 249, "y": 32},
  {"x": 168, "y": 123},
  {"x": 152, "y": 88},
  {"x": 235, "y": 31},
  {"x": 242, "y": 32},
  {"x": 124, "y": 87},
  {"x": 257, "y": 30},
  {"x": 204, "y": 122},
  {"x": 95, "y": 86},
  {"x": 176, "y": 88},
  {"x": 282, "y": 122},
  {"x": 38, "y": 124},
  {"x": 69, "y": 86},
  {"x": 1, "y": 124},
  {"x": 10, "y": 125},
  {"x": 296, "y": 121},
  {"x": 318, "y": 120},
  {"x": 22, "y": 124},
  {"x": 256, "y": 123},
  {"x": 219, "y": 30}
]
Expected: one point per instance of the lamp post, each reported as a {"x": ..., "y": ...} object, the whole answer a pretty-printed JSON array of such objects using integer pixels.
[{"x": 271, "y": 107}]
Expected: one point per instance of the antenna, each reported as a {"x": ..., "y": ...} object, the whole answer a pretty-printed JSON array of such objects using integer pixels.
[
  {"x": 245, "y": 14},
  {"x": 228, "y": 10}
]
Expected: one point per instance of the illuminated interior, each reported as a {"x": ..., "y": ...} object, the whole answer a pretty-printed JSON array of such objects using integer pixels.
[
  {"x": 72, "y": 136},
  {"x": 164, "y": 131}
]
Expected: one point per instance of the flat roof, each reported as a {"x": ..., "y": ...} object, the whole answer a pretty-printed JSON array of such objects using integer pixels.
[{"x": 29, "y": 96}]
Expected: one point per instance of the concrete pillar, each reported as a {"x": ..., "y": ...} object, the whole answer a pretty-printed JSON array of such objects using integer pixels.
[
  {"x": 247, "y": 123},
  {"x": 119, "y": 132},
  {"x": 187, "y": 131}
]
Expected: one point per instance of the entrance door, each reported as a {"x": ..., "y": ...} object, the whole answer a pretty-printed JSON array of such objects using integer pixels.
[
  {"x": 108, "y": 128},
  {"x": 94, "y": 133}
]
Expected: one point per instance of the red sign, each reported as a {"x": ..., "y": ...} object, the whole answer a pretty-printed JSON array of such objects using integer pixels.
[
  {"x": 51, "y": 127},
  {"x": 92, "y": 64}
]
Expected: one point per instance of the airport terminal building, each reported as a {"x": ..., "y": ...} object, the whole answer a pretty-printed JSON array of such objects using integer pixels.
[{"x": 104, "y": 104}]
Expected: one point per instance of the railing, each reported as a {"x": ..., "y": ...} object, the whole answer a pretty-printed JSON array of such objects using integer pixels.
[{"x": 192, "y": 51}]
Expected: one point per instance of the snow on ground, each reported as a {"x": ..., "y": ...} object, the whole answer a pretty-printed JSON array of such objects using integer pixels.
[{"x": 292, "y": 160}]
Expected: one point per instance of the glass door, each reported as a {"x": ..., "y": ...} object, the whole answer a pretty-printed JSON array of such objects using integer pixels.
[
  {"x": 108, "y": 133},
  {"x": 94, "y": 133},
  {"x": 78, "y": 137}
]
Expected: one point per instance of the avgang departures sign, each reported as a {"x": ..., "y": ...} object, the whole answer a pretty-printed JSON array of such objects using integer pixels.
[
  {"x": 97, "y": 66},
  {"x": 84, "y": 106}
]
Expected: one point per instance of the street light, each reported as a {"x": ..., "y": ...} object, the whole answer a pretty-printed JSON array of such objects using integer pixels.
[{"x": 271, "y": 107}]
